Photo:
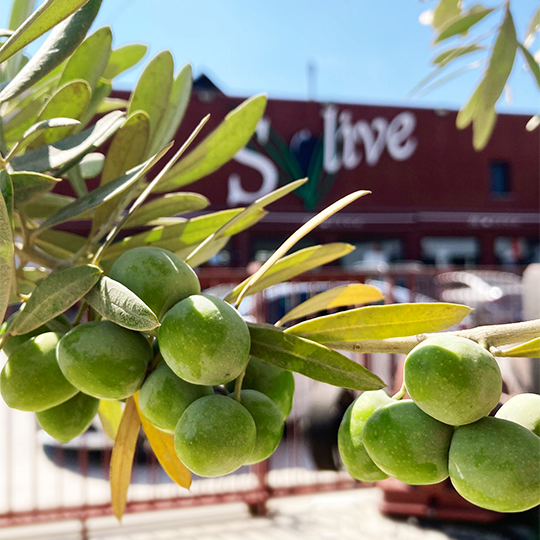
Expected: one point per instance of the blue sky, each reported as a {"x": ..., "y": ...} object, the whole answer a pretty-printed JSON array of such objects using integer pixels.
[{"x": 366, "y": 51}]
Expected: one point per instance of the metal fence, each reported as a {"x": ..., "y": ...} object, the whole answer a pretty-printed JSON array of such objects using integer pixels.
[{"x": 43, "y": 481}]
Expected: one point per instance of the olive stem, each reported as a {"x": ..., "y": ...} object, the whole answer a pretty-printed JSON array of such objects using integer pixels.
[
  {"x": 400, "y": 394},
  {"x": 238, "y": 385},
  {"x": 488, "y": 336},
  {"x": 80, "y": 313}
]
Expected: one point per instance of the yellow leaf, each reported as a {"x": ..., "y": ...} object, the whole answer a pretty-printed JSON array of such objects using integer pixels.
[
  {"x": 163, "y": 446},
  {"x": 110, "y": 414},
  {"x": 122, "y": 457},
  {"x": 346, "y": 295},
  {"x": 381, "y": 322},
  {"x": 530, "y": 349},
  {"x": 315, "y": 221}
]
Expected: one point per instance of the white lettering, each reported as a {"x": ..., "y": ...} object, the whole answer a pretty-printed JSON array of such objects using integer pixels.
[
  {"x": 400, "y": 144},
  {"x": 331, "y": 162}
]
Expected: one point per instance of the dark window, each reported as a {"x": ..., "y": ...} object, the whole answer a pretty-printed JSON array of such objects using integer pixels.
[{"x": 499, "y": 178}]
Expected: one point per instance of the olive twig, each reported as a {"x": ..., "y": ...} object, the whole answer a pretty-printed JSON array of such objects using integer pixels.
[
  {"x": 400, "y": 394},
  {"x": 238, "y": 385}
]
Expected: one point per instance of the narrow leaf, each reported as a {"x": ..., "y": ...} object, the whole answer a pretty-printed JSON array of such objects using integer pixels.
[
  {"x": 530, "y": 349},
  {"x": 153, "y": 89},
  {"x": 346, "y": 295},
  {"x": 171, "y": 204},
  {"x": 60, "y": 244},
  {"x": 121, "y": 306},
  {"x": 124, "y": 58},
  {"x": 163, "y": 447},
  {"x": 91, "y": 165},
  {"x": 90, "y": 59},
  {"x": 100, "y": 195},
  {"x": 54, "y": 295},
  {"x": 292, "y": 265},
  {"x": 459, "y": 25},
  {"x": 71, "y": 149},
  {"x": 175, "y": 110},
  {"x": 305, "y": 229},
  {"x": 445, "y": 11},
  {"x": 6, "y": 257},
  {"x": 110, "y": 415},
  {"x": 6, "y": 191},
  {"x": 534, "y": 26},
  {"x": 293, "y": 353},
  {"x": 46, "y": 205},
  {"x": 381, "y": 322},
  {"x": 60, "y": 44},
  {"x": 102, "y": 91},
  {"x": 219, "y": 147},
  {"x": 122, "y": 457},
  {"x": 531, "y": 62},
  {"x": 445, "y": 57},
  {"x": 484, "y": 122},
  {"x": 48, "y": 15},
  {"x": 28, "y": 186}
]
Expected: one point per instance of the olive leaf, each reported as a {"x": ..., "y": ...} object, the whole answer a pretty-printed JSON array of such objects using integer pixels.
[
  {"x": 292, "y": 265},
  {"x": 381, "y": 322},
  {"x": 345, "y": 295},
  {"x": 122, "y": 457},
  {"x": 117, "y": 303},
  {"x": 219, "y": 147},
  {"x": 531, "y": 62},
  {"x": 60, "y": 244},
  {"x": 6, "y": 190},
  {"x": 462, "y": 23},
  {"x": 163, "y": 447},
  {"x": 46, "y": 205},
  {"x": 28, "y": 186},
  {"x": 60, "y": 44},
  {"x": 53, "y": 296},
  {"x": 6, "y": 257},
  {"x": 530, "y": 349},
  {"x": 124, "y": 58},
  {"x": 110, "y": 415},
  {"x": 293, "y": 353}
]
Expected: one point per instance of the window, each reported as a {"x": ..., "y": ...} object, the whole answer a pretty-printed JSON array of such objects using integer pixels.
[
  {"x": 499, "y": 178},
  {"x": 373, "y": 254},
  {"x": 447, "y": 250},
  {"x": 516, "y": 250}
]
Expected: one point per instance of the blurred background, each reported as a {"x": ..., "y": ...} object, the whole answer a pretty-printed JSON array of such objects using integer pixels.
[{"x": 444, "y": 223}]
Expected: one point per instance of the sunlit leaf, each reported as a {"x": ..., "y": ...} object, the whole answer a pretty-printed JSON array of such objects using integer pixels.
[
  {"x": 6, "y": 257},
  {"x": 292, "y": 265},
  {"x": 293, "y": 353},
  {"x": 445, "y": 57},
  {"x": 122, "y": 457},
  {"x": 124, "y": 58},
  {"x": 71, "y": 149},
  {"x": 171, "y": 204},
  {"x": 459, "y": 25},
  {"x": 445, "y": 11},
  {"x": 219, "y": 147},
  {"x": 345, "y": 295},
  {"x": 530, "y": 349},
  {"x": 163, "y": 447},
  {"x": 381, "y": 322},
  {"x": 46, "y": 205},
  {"x": 102, "y": 91},
  {"x": 6, "y": 191},
  {"x": 531, "y": 62},
  {"x": 90, "y": 59},
  {"x": 305, "y": 229},
  {"x": 484, "y": 122},
  {"x": 534, "y": 26},
  {"x": 118, "y": 304},
  {"x": 153, "y": 89},
  {"x": 60, "y": 44},
  {"x": 28, "y": 186},
  {"x": 110, "y": 415},
  {"x": 54, "y": 295},
  {"x": 91, "y": 165}
]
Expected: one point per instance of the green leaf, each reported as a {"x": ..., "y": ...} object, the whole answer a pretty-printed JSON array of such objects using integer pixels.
[
  {"x": 60, "y": 244},
  {"x": 46, "y": 205},
  {"x": 20, "y": 11},
  {"x": 446, "y": 11},
  {"x": 292, "y": 353},
  {"x": 531, "y": 62},
  {"x": 174, "y": 237},
  {"x": 7, "y": 268},
  {"x": 121, "y": 306},
  {"x": 484, "y": 122},
  {"x": 219, "y": 147},
  {"x": 109, "y": 104},
  {"x": 127, "y": 150},
  {"x": 91, "y": 165},
  {"x": 345, "y": 295},
  {"x": 53, "y": 296},
  {"x": 292, "y": 265},
  {"x": 71, "y": 149},
  {"x": 445, "y": 57},
  {"x": 60, "y": 44},
  {"x": 42, "y": 127},
  {"x": 534, "y": 26},
  {"x": 101, "y": 92},
  {"x": 171, "y": 204},
  {"x": 175, "y": 110},
  {"x": 6, "y": 191},
  {"x": 466, "y": 114},
  {"x": 90, "y": 59},
  {"x": 530, "y": 349},
  {"x": 69, "y": 101},
  {"x": 381, "y": 322},
  {"x": 153, "y": 89},
  {"x": 124, "y": 58},
  {"x": 22, "y": 120},
  {"x": 48, "y": 15},
  {"x": 100, "y": 195},
  {"x": 28, "y": 186},
  {"x": 459, "y": 25}
]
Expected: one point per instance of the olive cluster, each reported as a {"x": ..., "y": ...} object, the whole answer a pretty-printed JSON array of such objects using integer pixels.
[
  {"x": 444, "y": 431},
  {"x": 183, "y": 376}
]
